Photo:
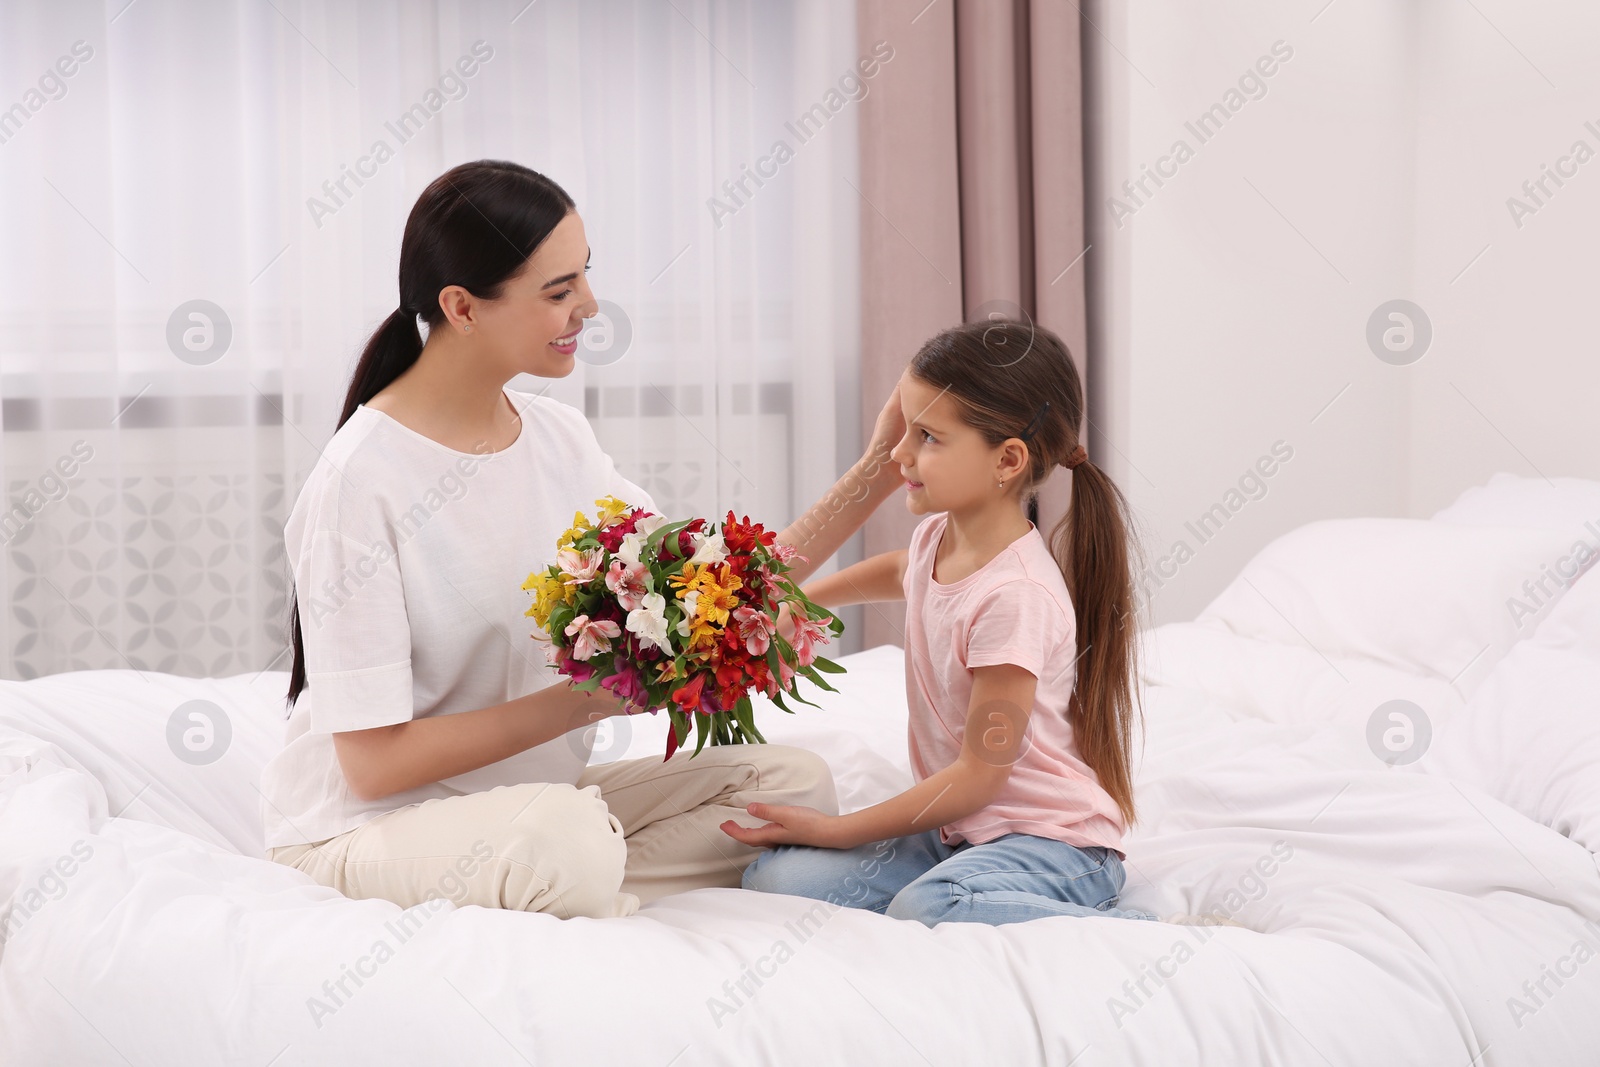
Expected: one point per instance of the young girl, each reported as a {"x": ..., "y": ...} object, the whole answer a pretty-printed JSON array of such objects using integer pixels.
[{"x": 1019, "y": 661}]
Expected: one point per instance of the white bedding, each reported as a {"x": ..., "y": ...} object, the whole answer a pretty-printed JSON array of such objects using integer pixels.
[{"x": 1391, "y": 914}]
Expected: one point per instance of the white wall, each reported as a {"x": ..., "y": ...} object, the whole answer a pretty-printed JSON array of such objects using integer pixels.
[
  {"x": 1521, "y": 342},
  {"x": 1232, "y": 304}
]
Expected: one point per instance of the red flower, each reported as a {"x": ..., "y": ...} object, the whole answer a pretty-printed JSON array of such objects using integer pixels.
[
  {"x": 611, "y": 537},
  {"x": 739, "y": 566},
  {"x": 681, "y": 546},
  {"x": 730, "y": 685},
  {"x": 688, "y": 696},
  {"x": 744, "y": 536},
  {"x": 761, "y": 677}
]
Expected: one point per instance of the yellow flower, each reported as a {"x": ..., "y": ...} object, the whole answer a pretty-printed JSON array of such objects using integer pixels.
[
  {"x": 580, "y": 526},
  {"x": 717, "y": 598},
  {"x": 704, "y": 637},
  {"x": 611, "y": 509},
  {"x": 687, "y": 581},
  {"x": 547, "y": 590}
]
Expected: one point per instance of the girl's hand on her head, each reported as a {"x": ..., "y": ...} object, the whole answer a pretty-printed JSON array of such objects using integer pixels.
[{"x": 788, "y": 824}]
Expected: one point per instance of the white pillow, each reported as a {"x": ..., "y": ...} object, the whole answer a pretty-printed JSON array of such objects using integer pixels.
[
  {"x": 117, "y": 727},
  {"x": 1432, "y": 598},
  {"x": 1530, "y": 734},
  {"x": 1570, "y": 504}
]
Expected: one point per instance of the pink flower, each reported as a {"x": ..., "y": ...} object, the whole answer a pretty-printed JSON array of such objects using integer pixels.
[
  {"x": 593, "y": 635},
  {"x": 628, "y": 687},
  {"x": 627, "y": 581},
  {"x": 578, "y": 672},
  {"x": 579, "y": 567},
  {"x": 807, "y": 631},
  {"x": 757, "y": 629}
]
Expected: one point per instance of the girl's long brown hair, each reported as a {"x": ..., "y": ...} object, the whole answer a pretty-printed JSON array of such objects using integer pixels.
[{"x": 1001, "y": 373}]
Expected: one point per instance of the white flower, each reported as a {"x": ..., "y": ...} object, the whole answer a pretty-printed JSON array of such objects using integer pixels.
[
  {"x": 648, "y": 622},
  {"x": 628, "y": 551},
  {"x": 690, "y": 602},
  {"x": 649, "y": 524},
  {"x": 710, "y": 548}
]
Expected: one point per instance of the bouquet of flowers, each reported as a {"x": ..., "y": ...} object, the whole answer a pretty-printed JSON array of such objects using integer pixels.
[{"x": 679, "y": 615}]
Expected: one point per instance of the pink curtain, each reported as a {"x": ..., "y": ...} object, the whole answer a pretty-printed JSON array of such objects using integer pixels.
[{"x": 972, "y": 190}]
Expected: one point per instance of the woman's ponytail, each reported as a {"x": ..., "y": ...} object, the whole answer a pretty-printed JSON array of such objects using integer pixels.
[
  {"x": 390, "y": 352},
  {"x": 474, "y": 226}
]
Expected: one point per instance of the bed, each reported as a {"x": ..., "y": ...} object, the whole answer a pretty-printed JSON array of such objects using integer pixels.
[{"x": 1419, "y": 889}]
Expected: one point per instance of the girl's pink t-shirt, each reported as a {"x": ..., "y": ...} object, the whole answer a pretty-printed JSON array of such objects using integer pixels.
[{"x": 1014, "y": 609}]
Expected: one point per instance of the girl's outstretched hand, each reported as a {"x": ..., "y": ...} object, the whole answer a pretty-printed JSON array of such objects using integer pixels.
[{"x": 788, "y": 824}]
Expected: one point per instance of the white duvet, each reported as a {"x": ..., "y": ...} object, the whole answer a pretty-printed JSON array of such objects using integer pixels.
[{"x": 1391, "y": 914}]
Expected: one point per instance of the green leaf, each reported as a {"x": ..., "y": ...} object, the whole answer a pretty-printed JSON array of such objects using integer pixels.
[
  {"x": 784, "y": 649},
  {"x": 747, "y": 719},
  {"x": 823, "y": 664},
  {"x": 817, "y": 680},
  {"x": 656, "y": 538},
  {"x": 559, "y": 617},
  {"x": 801, "y": 698},
  {"x": 702, "y": 731},
  {"x": 777, "y": 699}
]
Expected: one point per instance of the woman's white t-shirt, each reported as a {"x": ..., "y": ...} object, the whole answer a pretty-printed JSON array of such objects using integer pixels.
[{"x": 409, "y": 559}]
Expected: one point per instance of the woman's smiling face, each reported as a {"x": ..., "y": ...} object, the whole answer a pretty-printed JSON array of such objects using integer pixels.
[{"x": 534, "y": 325}]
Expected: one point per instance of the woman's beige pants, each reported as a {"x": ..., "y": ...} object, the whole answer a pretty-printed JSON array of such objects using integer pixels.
[{"x": 628, "y": 833}]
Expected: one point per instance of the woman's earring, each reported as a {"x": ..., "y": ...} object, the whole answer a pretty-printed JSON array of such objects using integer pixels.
[
  {"x": 466, "y": 329},
  {"x": 1002, "y": 485}
]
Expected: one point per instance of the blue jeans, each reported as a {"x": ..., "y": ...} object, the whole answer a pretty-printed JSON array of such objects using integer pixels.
[{"x": 1010, "y": 879}]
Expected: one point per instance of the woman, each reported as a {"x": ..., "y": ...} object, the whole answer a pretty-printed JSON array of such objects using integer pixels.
[{"x": 430, "y": 752}]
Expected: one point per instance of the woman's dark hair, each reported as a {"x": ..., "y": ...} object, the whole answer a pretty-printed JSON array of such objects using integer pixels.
[
  {"x": 1001, "y": 373},
  {"x": 474, "y": 226}
]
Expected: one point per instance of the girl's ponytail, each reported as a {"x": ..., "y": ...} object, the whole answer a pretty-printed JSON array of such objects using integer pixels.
[
  {"x": 474, "y": 226},
  {"x": 1091, "y": 546}
]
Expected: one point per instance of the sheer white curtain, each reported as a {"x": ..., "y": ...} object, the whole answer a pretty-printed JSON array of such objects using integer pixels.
[{"x": 202, "y": 211}]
